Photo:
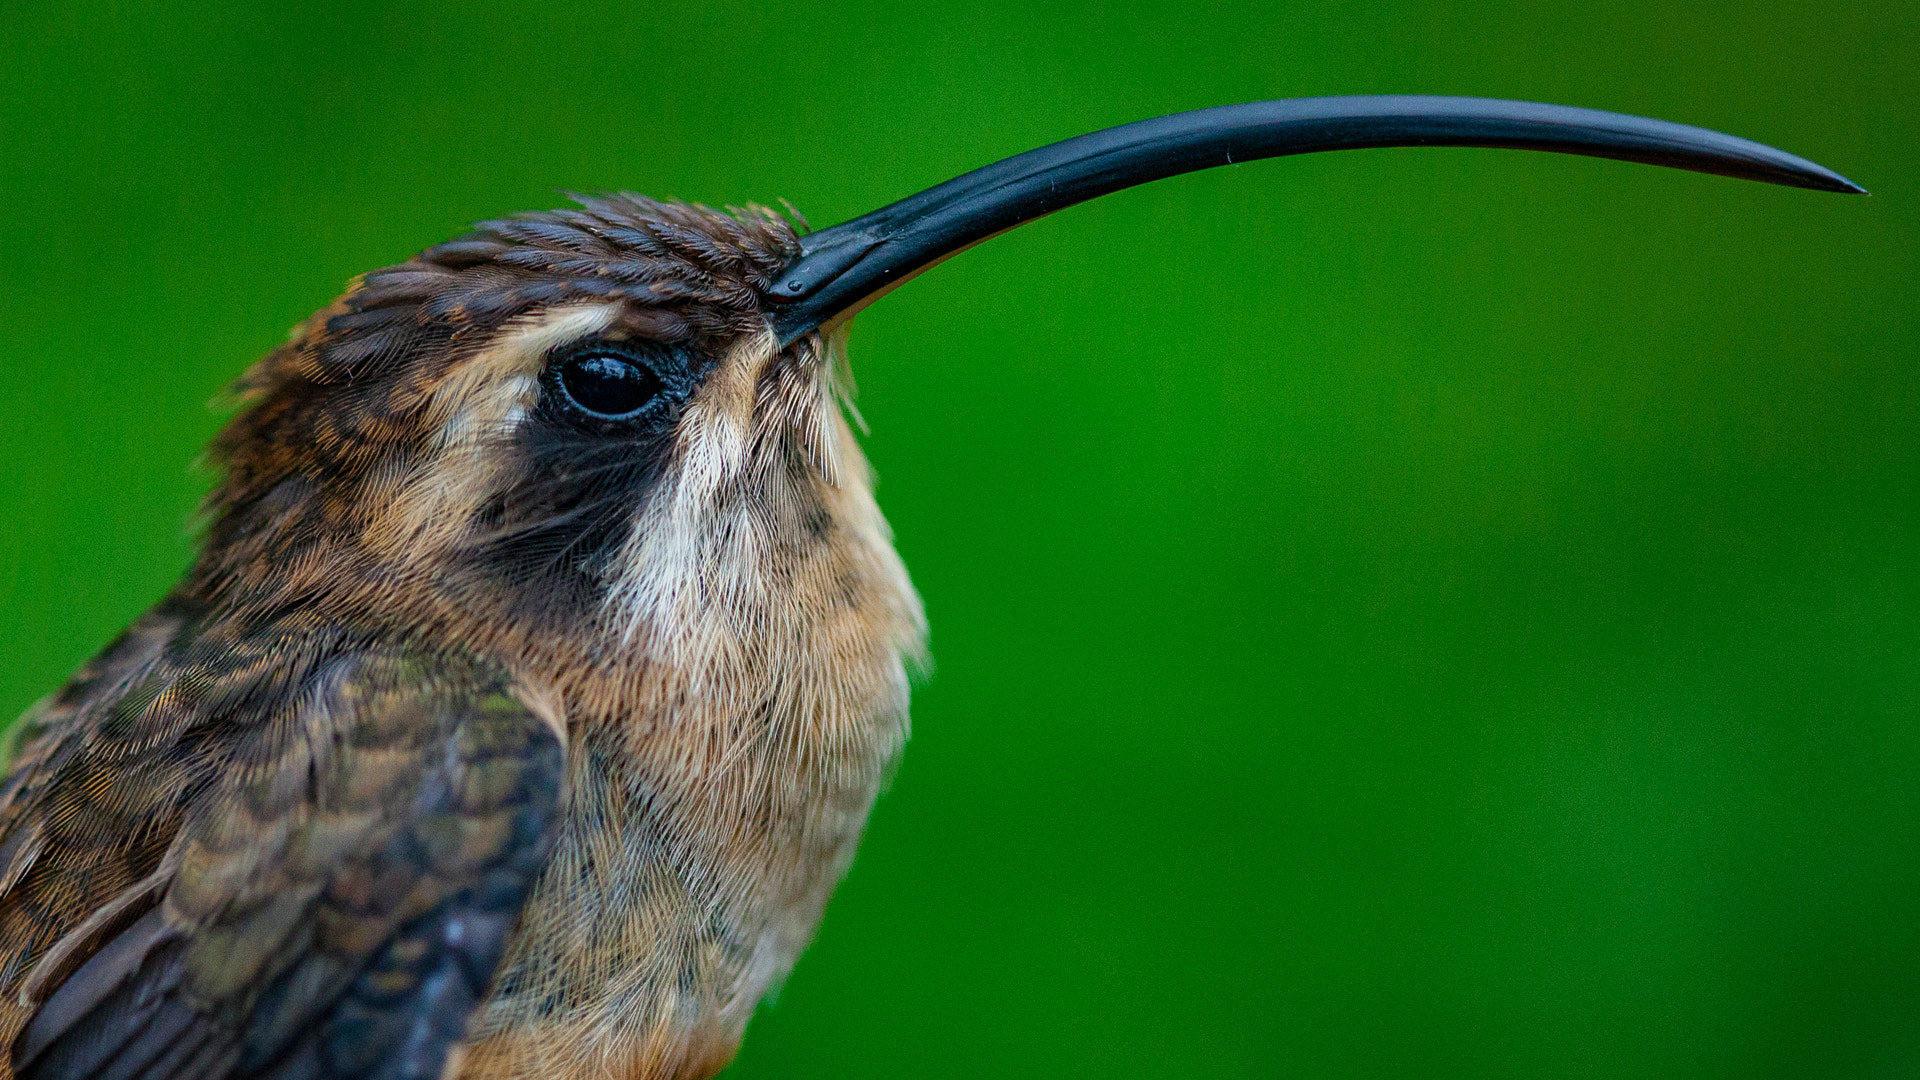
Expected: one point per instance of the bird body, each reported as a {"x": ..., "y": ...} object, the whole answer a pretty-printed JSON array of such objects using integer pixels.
[
  {"x": 707, "y": 626},
  {"x": 547, "y": 649}
]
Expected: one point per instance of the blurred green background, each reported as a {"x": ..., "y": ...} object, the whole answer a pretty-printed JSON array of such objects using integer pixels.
[{"x": 1407, "y": 613}]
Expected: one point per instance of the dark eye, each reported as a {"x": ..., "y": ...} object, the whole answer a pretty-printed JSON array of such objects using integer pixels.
[{"x": 609, "y": 386}]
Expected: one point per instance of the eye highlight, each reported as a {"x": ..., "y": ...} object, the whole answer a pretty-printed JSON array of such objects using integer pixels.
[{"x": 607, "y": 385}]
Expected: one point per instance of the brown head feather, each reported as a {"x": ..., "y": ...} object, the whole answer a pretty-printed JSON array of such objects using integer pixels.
[
  {"x": 329, "y": 421},
  {"x": 349, "y": 385}
]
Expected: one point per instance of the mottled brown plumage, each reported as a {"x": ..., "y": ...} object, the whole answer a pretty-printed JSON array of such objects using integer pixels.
[{"x": 488, "y": 737}]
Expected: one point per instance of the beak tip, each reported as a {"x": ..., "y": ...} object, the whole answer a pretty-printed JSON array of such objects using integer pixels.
[{"x": 1820, "y": 178}]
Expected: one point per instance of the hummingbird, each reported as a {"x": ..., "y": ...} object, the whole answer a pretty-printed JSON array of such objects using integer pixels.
[{"x": 546, "y": 649}]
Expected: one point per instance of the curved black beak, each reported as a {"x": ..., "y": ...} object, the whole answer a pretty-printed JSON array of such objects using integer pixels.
[{"x": 843, "y": 268}]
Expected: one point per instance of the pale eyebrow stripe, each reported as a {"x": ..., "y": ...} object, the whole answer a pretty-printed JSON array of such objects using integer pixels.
[{"x": 484, "y": 398}]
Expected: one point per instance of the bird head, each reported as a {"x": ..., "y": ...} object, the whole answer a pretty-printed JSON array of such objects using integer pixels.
[{"x": 565, "y": 432}]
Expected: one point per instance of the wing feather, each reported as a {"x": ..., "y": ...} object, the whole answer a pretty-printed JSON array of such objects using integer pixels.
[{"x": 359, "y": 826}]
